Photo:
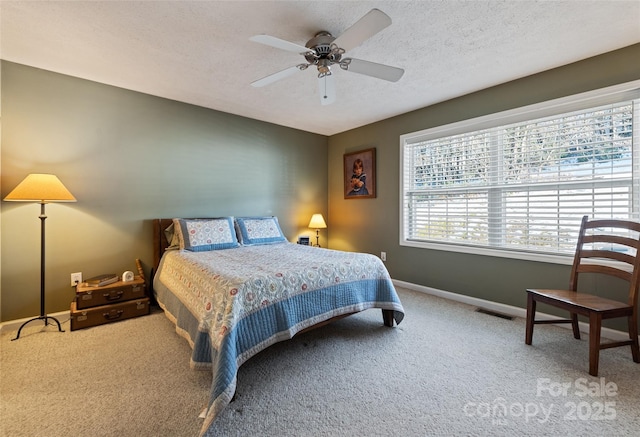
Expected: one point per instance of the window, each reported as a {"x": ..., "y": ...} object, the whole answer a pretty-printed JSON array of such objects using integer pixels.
[{"x": 518, "y": 183}]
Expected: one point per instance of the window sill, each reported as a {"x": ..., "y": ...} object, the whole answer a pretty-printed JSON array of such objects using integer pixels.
[{"x": 500, "y": 253}]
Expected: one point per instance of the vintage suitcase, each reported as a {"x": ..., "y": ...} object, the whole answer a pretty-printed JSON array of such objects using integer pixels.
[
  {"x": 87, "y": 297},
  {"x": 85, "y": 318}
]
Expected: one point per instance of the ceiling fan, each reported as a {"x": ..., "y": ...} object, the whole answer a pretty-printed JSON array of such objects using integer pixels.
[{"x": 325, "y": 51}]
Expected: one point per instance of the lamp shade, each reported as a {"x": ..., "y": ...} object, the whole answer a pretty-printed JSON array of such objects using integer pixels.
[
  {"x": 41, "y": 188},
  {"x": 317, "y": 222}
]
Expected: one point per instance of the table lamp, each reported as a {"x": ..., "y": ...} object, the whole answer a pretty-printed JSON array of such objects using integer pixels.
[{"x": 317, "y": 223}]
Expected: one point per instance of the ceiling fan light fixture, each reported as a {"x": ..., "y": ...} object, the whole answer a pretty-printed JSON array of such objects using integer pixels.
[
  {"x": 324, "y": 68},
  {"x": 344, "y": 64},
  {"x": 325, "y": 50},
  {"x": 336, "y": 52}
]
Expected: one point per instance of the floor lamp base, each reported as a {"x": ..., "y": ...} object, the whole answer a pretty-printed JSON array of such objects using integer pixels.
[{"x": 46, "y": 323}]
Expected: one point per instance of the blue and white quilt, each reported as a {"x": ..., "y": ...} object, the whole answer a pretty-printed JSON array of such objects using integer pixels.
[{"x": 231, "y": 304}]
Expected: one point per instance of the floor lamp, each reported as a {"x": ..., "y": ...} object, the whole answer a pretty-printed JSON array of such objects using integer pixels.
[
  {"x": 317, "y": 223},
  {"x": 41, "y": 188}
]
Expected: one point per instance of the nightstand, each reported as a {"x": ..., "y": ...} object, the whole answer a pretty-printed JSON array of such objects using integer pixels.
[{"x": 95, "y": 306}]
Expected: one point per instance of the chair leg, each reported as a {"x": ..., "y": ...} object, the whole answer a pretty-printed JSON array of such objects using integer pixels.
[
  {"x": 531, "y": 314},
  {"x": 575, "y": 326},
  {"x": 595, "y": 322},
  {"x": 633, "y": 335}
]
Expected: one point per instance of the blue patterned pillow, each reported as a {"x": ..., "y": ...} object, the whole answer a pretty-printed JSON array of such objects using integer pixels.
[
  {"x": 199, "y": 235},
  {"x": 260, "y": 230}
]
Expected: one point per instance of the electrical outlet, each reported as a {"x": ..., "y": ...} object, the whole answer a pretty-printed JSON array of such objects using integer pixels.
[
  {"x": 76, "y": 278},
  {"x": 383, "y": 256}
]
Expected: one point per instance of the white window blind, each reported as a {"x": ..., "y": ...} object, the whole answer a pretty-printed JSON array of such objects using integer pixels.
[{"x": 522, "y": 186}]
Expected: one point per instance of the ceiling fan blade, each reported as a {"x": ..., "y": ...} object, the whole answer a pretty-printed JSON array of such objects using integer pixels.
[
  {"x": 371, "y": 23},
  {"x": 327, "y": 89},
  {"x": 280, "y": 44},
  {"x": 380, "y": 71},
  {"x": 275, "y": 77}
]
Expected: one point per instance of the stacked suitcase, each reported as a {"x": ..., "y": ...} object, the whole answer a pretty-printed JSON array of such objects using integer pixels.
[{"x": 120, "y": 300}]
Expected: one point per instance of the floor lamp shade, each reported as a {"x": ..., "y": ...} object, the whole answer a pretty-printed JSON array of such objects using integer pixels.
[{"x": 41, "y": 188}]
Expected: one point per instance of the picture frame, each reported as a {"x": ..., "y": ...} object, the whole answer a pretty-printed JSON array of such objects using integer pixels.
[{"x": 362, "y": 185}]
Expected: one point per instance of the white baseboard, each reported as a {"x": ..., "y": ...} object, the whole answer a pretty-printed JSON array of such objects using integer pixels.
[
  {"x": 501, "y": 308},
  {"x": 509, "y": 310},
  {"x": 15, "y": 324}
]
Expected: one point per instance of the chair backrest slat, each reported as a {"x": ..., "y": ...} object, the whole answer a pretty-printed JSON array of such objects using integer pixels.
[
  {"x": 620, "y": 224},
  {"x": 608, "y": 254},
  {"x": 612, "y": 239},
  {"x": 605, "y": 270}
]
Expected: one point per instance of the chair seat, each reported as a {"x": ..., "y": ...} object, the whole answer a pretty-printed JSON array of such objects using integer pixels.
[{"x": 582, "y": 300}]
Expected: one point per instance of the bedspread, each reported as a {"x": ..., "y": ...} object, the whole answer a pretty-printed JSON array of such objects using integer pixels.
[{"x": 231, "y": 304}]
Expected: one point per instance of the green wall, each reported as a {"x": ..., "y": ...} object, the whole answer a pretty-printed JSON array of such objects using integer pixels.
[
  {"x": 372, "y": 225},
  {"x": 129, "y": 157}
]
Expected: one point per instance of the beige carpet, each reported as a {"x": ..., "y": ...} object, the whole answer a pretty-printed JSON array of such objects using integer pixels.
[{"x": 445, "y": 370}]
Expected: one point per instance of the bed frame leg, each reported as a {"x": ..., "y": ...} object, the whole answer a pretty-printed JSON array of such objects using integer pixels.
[{"x": 387, "y": 317}]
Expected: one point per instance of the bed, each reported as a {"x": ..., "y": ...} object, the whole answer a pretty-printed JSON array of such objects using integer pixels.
[{"x": 233, "y": 286}]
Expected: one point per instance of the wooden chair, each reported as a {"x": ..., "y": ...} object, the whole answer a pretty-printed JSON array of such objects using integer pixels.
[{"x": 608, "y": 247}]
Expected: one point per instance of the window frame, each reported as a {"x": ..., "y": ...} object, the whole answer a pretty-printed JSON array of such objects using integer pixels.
[{"x": 590, "y": 99}]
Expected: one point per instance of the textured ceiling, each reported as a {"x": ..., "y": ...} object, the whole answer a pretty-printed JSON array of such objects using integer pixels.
[{"x": 200, "y": 53}]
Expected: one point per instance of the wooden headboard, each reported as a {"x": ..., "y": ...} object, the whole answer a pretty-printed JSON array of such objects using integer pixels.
[{"x": 160, "y": 242}]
